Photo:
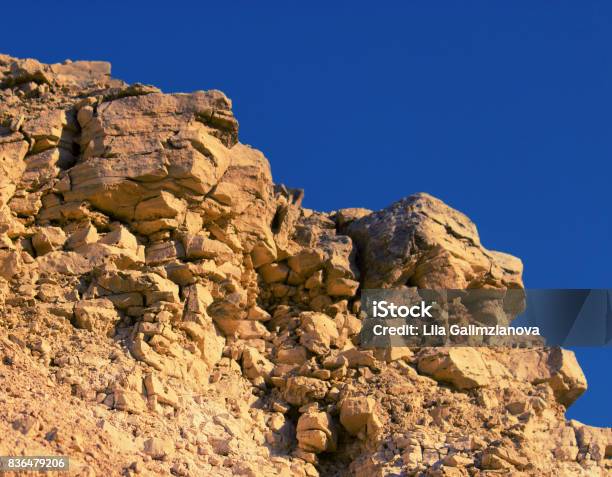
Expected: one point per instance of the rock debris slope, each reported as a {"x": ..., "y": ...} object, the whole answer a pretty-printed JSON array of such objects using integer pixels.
[{"x": 168, "y": 309}]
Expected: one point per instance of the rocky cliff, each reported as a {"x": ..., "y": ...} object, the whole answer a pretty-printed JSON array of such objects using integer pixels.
[{"x": 167, "y": 309}]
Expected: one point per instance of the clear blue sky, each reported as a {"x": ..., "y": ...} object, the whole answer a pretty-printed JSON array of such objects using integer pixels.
[{"x": 502, "y": 109}]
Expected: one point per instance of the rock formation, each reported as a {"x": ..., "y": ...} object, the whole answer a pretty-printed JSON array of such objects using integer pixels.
[{"x": 166, "y": 309}]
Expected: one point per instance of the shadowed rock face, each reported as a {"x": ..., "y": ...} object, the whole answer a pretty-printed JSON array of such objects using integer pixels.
[{"x": 166, "y": 308}]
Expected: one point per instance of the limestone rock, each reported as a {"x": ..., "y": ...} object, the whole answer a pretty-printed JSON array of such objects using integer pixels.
[
  {"x": 301, "y": 390},
  {"x": 245, "y": 329},
  {"x": 596, "y": 441},
  {"x": 463, "y": 367},
  {"x": 10, "y": 264},
  {"x": 48, "y": 239},
  {"x": 567, "y": 379},
  {"x": 246, "y": 187},
  {"x": 128, "y": 400},
  {"x": 339, "y": 286},
  {"x": 554, "y": 366},
  {"x": 306, "y": 262},
  {"x": 165, "y": 205},
  {"x": 158, "y": 448},
  {"x": 200, "y": 246},
  {"x": 318, "y": 332},
  {"x": 83, "y": 236},
  {"x": 358, "y": 416},
  {"x": 164, "y": 394},
  {"x": 316, "y": 432},
  {"x": 166, "y": 309},
  {"x": 274, "y": 272},
  {"x": 97, "y": 315},
  {"x": 255, "y": 365},
  {"x": 152, "y": 286},
  {"x": 421, "y": 241}
]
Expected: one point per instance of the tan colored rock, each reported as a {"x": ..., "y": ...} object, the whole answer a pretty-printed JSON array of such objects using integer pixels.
[
  {"x": 134, "y": 177},
  {"x": 247, "y": 187},
  {"x": 48, "y": 239},
  {"x": 163, "y": 393},
  {"x": 462, "y": 366},
  {"x": 100, "y": 256},
  {"x": 63, "y": 263},
  {"x": 358, "y": 357},
  {"x": 83, "y": 236},
  {"x": 208, "y": 339},
  {"x": 394, "y": 353},
  {"x": 10, "y": 263},
  {"x": 130, "y": 401},
  {"x": 319, "y": 332},
  {"x": 163, "y": 252},
  {"x": 165, "y": 205},
  {"x": 338, "y": 286},
  {"x": 274, "y": 272},
  {"x": 567, "y": 379},
  {"x": 97, "y": 315},
  {"x": 13, "y": 149},
  {"x": 555, "y": 366},
  {"x": 151, "y": 227},
  {"x": 198, "y": 299},
  {"x": 46, "y": 129},
  {"x": 503, "y": 458},
  {"x": 158, "y": 448},
  {"x": 358, "y": 416},
  {"x": 197, "y": 156},
  {"x": 295, "y": 355},
  {"x": 255, "y": 365},
  {"x": 43, "y": 167},
  {"x": 597, "y": 441},
  {"x": 258, "y": 314},
  {"x": 244, "y": 329},
  {"x": 306, "y": 262},
  {"x": 24, "y": 205},
  {"x": 151, "y": 285},
  {"x": 345, "y": 216},
  {"x": 421, "y": 241},
  {"x": 316, "y": 432},
  {"x": 457, "y": 460},
  {"x": 120, "y": 237},
  {"x": 263, "y": 254},
  {"x": 314, "y": 281},
  {"x": 200, "y": 246},
  {"x": 302, "y": 390},
  {"x": 141, "y": 350}
]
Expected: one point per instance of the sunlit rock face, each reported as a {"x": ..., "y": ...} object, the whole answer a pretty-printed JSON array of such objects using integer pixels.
[{"x": 165, "y": 308}]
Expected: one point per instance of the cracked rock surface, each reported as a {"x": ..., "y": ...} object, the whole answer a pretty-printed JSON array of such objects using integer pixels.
[{"x": 166, "y": 309}]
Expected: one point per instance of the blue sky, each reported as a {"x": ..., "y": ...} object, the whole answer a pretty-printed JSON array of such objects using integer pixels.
[{"x": 502, "y": 109}]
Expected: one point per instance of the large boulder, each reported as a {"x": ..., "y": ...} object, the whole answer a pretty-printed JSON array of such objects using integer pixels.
[
  {"x": 247, "y": 189},
  {"x": 182, "y": 142},
  {"x": 555, "y": 366},
  {"x": 420, "y": 241}
]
